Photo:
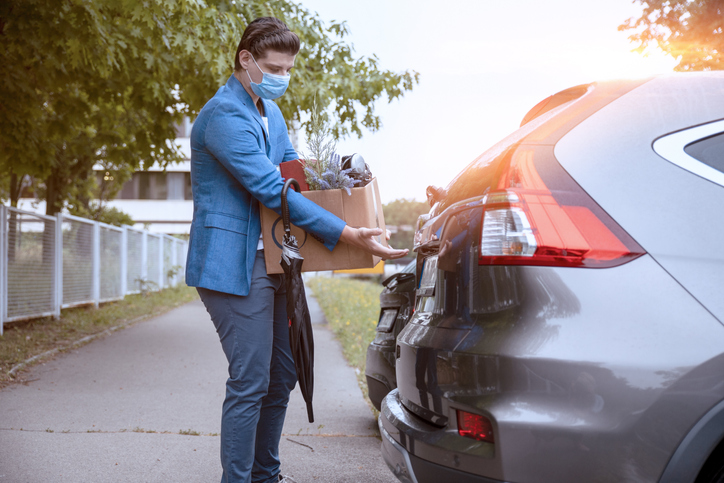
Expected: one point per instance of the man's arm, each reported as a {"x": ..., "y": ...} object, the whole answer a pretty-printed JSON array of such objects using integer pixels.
[{"x": 231, "y": 138}]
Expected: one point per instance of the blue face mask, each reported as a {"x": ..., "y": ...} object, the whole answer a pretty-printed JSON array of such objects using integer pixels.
[{"x": 272, "y": 85}]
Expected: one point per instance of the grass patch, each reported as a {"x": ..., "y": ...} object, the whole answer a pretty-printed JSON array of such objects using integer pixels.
[
  {"x": 352, "y": 308},
  {"x": 23, "y": 340}
]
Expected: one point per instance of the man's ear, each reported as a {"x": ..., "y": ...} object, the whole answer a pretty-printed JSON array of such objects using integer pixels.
[{"x": 244, "y": 59}]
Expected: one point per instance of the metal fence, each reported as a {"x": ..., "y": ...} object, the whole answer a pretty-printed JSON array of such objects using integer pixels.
[{"x": 53, "y": 262}]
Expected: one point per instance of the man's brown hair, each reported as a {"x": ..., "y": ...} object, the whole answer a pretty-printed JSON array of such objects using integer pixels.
[{"x": 267, "y": 33}]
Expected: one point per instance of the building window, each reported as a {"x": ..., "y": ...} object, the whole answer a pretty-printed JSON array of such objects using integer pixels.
[
  {"x": 175, "y": 186},
  {"x": 146, "y": 185},
  {"x": 129, "y": 190}
]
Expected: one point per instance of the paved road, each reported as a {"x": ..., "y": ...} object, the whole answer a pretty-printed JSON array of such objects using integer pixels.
[{"x": 115, "y": 410}]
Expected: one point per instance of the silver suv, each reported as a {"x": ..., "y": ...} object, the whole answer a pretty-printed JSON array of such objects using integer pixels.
[{"x": 568, "y": 318}]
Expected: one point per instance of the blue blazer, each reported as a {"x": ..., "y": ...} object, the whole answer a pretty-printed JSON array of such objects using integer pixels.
[{"x": 233, "y": 161}]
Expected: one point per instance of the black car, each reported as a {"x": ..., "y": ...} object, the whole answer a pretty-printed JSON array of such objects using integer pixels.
[{"x": 396, "y": 307}]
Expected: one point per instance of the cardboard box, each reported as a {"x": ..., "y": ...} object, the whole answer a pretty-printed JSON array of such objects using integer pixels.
[
  {"x": 362, "y": 209},
  {"x": 378, "y": 269}
]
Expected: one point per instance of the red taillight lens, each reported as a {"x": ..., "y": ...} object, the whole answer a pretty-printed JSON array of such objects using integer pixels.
[
  {"x": 475, "y": 426},
  {"x": 525, "y": 223}
]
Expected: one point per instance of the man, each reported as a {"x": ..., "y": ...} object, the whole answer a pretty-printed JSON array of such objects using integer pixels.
[{"x": 237, "y": 141}]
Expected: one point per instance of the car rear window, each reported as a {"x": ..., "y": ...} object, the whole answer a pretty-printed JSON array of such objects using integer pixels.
[
  {"x": 709, "y": 151},
  {"x": 543, "y": 128}
]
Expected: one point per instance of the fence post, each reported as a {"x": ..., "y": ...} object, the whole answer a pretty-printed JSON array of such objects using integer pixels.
[
  {"x": 144, "y": 259},
  {"x": 96, "y": 263},
  {"x": 124, "y": 260},
  {"x": 58, "y": 272},
  {"x": 3, "y": 266},
  {"x": 184, "y": 258},
  {"x": 174, "y": 257},
  {"x": 161, "y": 250}
]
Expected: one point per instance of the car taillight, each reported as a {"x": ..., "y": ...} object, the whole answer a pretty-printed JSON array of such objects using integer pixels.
[
  {"x": 525, "y": 223},
  {"x": 475, "y": 426}
]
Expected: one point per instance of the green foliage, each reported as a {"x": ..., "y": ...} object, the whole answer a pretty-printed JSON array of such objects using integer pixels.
[
  {"x": 173, "y": 271},
  {"x": 101, "y": 82},
  {"x": 352, "y": 308},
  {"x": 146, "y": 286},
  {"x": 321, "y": 147},
  {"x": 402, "y": 213},
  {"x": 105, "y": 214},
  {"x": 104, "y": 82},
  {"x": 113, "y": 216},
  {"x": 691, "y": 31},
  {"x": 87, "y": 195}
]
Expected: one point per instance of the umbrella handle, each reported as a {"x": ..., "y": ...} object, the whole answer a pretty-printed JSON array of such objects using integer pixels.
[{"x": 285, "y": 205}]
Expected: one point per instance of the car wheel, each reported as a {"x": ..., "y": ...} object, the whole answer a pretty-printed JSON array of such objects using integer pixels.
[
  {"x": 717, "y": 477},
  {"x": 713, "y": 470}
]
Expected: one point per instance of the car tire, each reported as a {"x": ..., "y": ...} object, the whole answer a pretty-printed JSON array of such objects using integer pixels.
[
  {"x": 713, "y": 470},
  {"x": 716, "y": 477}
]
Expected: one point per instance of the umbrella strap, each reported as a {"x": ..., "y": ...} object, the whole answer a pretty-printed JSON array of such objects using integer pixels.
[{"x": 285, "y": 204}]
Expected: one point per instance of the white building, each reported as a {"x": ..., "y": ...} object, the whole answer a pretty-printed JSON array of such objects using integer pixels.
[
  {"x": 160, "y": 200},
  {"x": 156, "y": 199}
]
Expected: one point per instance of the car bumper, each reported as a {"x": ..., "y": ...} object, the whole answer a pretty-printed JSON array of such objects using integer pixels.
[
  {"x": 416, "y": 452},
  {"x": 396, "y": 457},
  {"x": 380, "y": 372}
]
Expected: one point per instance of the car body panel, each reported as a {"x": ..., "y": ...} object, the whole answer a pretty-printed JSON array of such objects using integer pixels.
[
  {"x": 694, "y": 450},
  {"x": 663, "y": 201},
  {"x": 398, "y": 294},
  {"x": 551, "y": 369}
]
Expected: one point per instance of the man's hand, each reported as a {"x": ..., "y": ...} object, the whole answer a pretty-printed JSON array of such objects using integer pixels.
[{"x": 364, "y": 238}]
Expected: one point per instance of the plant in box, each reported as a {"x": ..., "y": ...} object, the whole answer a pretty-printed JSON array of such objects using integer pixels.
[
  {"x": 323, "y": 166},
  {"x": 332, "y": 186}
]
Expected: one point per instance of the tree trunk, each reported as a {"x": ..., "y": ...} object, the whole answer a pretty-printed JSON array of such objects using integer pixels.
[
  {"x": 52, "y": 192},
  {"x": 52, "y": 201},
  {"x": 15, "y": 186}
]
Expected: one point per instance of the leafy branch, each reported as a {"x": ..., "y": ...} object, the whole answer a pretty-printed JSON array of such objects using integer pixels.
[{"x": 322, "y": 166}]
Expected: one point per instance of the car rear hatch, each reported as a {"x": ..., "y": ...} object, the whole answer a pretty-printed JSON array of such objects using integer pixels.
[{"x": 513, "y": 205}]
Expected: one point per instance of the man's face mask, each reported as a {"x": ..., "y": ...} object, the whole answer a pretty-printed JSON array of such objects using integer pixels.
[{"x": 271, "y": 86}]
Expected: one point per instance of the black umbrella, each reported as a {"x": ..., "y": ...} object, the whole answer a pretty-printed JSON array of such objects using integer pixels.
[{"x": 300, "y": 323}]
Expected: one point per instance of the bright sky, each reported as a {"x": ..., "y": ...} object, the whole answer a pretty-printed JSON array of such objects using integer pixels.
[{"x": 483, "y": 64}]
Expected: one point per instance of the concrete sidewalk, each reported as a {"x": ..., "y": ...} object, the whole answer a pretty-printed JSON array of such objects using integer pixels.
[{"x": 144, "y": 405}]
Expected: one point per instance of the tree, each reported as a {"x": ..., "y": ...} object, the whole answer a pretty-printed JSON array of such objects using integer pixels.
[
  {"x": 403, "y": 214},
  {"x": 104, "y": 82},
  {"x": 691, "y": 31},
  {"x": 95, "y": 82}
]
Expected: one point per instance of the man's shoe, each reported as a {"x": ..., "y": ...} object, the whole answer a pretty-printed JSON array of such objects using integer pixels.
[{"x": 286, "y": 479}]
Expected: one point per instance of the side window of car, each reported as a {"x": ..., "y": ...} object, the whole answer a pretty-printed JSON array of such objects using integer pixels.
[
  {"x": 709, "y": 151},
  {"x": 699, "y": 150}
]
